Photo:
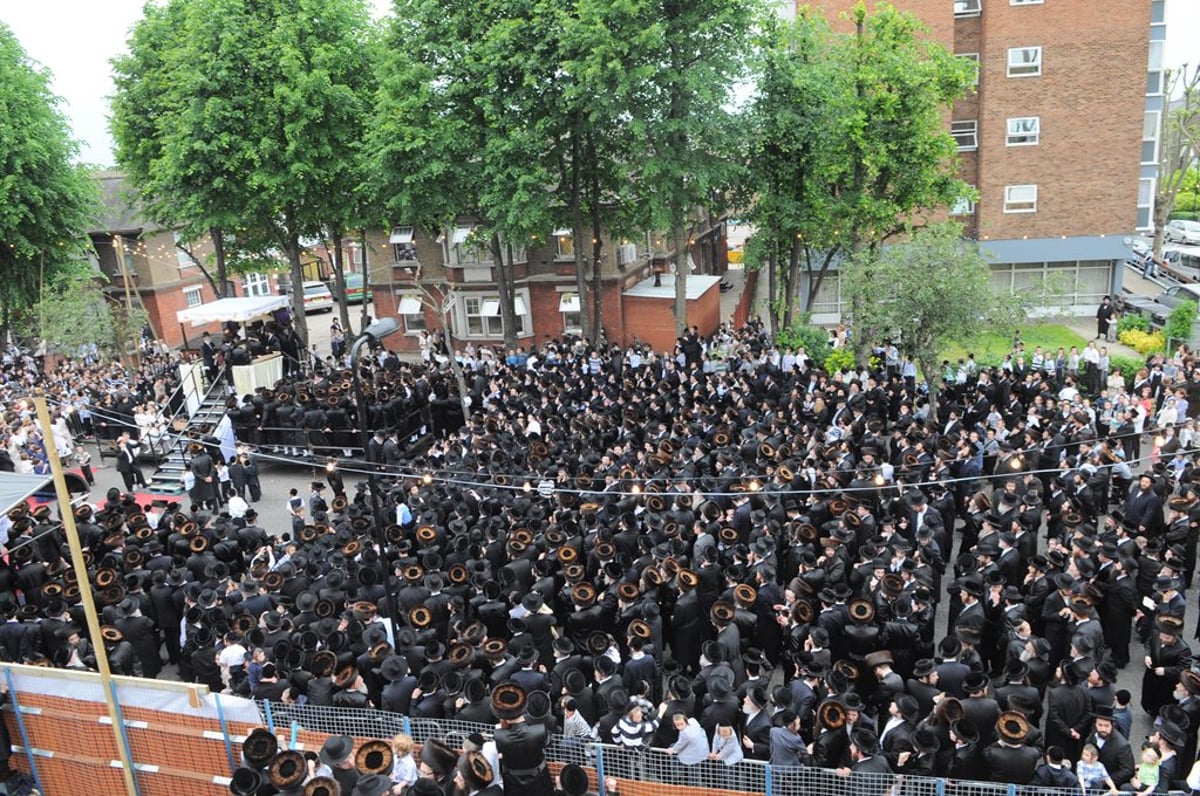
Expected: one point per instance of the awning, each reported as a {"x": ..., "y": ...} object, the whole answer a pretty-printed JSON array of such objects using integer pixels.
[
  {"x": 240, "y": 310},
  {"x": 401, "y": 235},
  {"x": 409, "y": 305},
  {"x": 568, "y": 302},
  {"x": 460, "y": 235},
  {"x": 490, "y": 308},
  {"x": 15, "y": 487},
  {"x": 519, "y": 305},
  {"x": 558, "y": 233}
]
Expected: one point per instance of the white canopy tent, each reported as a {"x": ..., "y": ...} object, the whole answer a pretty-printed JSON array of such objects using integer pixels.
[{"x": 240, "y": 310}]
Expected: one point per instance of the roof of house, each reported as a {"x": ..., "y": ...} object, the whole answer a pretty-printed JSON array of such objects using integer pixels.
[{"x": 122, "y": 212}]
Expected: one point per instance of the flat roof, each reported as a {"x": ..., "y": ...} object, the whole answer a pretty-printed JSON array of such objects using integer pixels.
[{"x": 697, "y": 286}]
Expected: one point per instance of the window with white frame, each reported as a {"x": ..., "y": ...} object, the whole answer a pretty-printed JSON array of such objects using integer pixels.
[
  {"x": 564, "y": 244},
  {"x": 1025, "y": 2},
  {"x": 966, "y": 135},
  {"x": 1024, "y": 131},
  {"x": 255, "y": 284},
  {"x": 358, "y": 258},
  {"x": 568, "y": 305},
  {"x": 182, "y": 258},
  {"x": 1020, "y": 198},
  {"x": 411, "y": 310},
  {"x": 464, "y": 250},
  {"x": 481, "y": 316},
  {"x": 963, "y": 206},
  {"x": 974, "y": 59},
  {"x": 1145, "y": 205},
  {"x": 968, "y": 8},
  {"x": 626, "y": 253},
  {"x": 403, "y": 248},
  {"x": 193, "y": 296},
  {"x": 1024, "y": 61},
  {"x": 1150, "y": 124}
]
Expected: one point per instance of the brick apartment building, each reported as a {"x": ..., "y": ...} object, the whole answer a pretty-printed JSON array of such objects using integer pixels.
[
  {"x": 163, "y": 279},
  {"x": 413, "y": 271},
  {"x": 1059, "y": 136}
]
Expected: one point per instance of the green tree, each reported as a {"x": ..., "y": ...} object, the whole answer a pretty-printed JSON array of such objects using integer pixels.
[
  {"x": 1178, "y": 145},
  {"x": 259, "y": 108},
  {"x": 849, "y": 146},
  {"x": 46, "y": 202},
  {"x": 947, "y": 294},
  {"x": 696, "y": 51}
]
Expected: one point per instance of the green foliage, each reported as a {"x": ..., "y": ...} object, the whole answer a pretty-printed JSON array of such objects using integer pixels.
[
  {"x": 73, "y": 313},
  {"x": 1129, "y": 367},
  {"x": 839, "y": 360},
  {"x": 1178, "y": 328},
  {"x": 814, "y": 339},
  {"x": 1133, "y": 320},
  {"x": 1143, "y": 342},
  {"x": 247, "y": 117},
  {"x": 848, "y": 145},
  {"x": 46, "y": 202},
  {"x": 946, "y": 294}
]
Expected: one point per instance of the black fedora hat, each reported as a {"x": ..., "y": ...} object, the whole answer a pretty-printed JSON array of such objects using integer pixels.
[
  {"x": 574, "y": 780},
  {"x": 245, "y": 782}
]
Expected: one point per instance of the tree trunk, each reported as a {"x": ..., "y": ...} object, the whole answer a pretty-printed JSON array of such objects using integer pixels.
[
  {"x": 339, "y": 279},
  {"x": 681, "y": 268},
  {"x": 364, "y": 316},
  {"x": 299, "y": 321},
  {"x": 585, "y": 311},
  {"x": 218, "y": 239},
  {"x": 793, "y": 273},
  {"x": 933, "y": 378},
  {"x": 773, "y": 307},
  {"x": 455, "y": 365},
  {"x": 508, "y": 313},
  {"x": 815, "y": 280},
  {"x": 594, "y": 203}
]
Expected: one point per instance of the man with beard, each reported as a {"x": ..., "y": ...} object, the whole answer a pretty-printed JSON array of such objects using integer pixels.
[{"x": 1113, "y": 747}]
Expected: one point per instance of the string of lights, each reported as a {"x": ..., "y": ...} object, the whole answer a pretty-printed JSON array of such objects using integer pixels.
[{"x": 529, "y": 482}]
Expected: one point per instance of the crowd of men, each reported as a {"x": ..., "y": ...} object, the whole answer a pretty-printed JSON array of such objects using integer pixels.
[{"x": 733, "y": 560}]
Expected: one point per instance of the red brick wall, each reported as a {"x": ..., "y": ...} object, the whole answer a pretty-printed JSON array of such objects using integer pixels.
[{"x": 162, "y": 304}]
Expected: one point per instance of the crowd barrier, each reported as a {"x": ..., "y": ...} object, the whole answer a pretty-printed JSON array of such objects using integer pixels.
[{"x": 183, "y": 739}]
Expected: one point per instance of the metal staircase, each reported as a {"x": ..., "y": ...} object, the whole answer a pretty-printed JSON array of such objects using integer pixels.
[{"x": 168, "y": 477}]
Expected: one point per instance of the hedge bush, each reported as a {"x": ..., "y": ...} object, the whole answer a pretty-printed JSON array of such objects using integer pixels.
[
  {"x": 1143, "y": 342},
  {"x": 1133, "y": 321}
]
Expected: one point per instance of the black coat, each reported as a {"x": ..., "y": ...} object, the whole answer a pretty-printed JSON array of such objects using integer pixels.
[{"x": 1011, "y": 764}]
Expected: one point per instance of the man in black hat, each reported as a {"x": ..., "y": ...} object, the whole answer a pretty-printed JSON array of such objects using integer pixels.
[
  {"x": 1167, "y": 657},
  {"x": 1009, "y": 759},
  {"x": 337, "y": 761},
  {"x": 1113, "y": 747},
  {"x": 1068, "y": 714},
  {"x": 521, "y": 745},
  {"x": 1118, "y": 608}
]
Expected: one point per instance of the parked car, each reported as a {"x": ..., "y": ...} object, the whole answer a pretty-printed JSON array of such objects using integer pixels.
[
  {"x": 317, "y": 297},
  {"x": 1160, "y": 307},
  {"x": 1180, "y": 231},
  {"x": 355, "y": 293}
]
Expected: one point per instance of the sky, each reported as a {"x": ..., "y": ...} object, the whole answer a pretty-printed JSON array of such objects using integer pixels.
[{"x": 75, "y": 39}]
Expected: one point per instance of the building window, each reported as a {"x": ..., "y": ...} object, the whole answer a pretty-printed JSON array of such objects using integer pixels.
[
  {"x": 464, "y": 251},
  {"x": 1024, "y": 131},
  {"x": 1145, "y": 206},
  {"x": 568, "y": 305},
  {"x": 182, "y": 258},
  {"x": 403, "y": 249},
  {"x": 627, "y": 253},
  {"x": 963, "y": 206},
  {"x": 564, "y": 244},
  {"x": 481, "y": 316},
  {"x": 1024, "y": 61},
  {"x": 1150, "y": 123},
  {"x": 966, "y": 135},
  {"x": 1025, "y": 2},
  {"x": 193, "y": 296},
  {"x": 255, "y": 284},
  {"x": 1020, "y": 198},
  {"x": 968, "y": 8},
  {"x": 412, "y": 311},
  {"x": 974, "y": 59}
]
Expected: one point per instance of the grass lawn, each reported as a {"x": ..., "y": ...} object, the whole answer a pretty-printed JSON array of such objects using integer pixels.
[{"x": 991, "y": 347}]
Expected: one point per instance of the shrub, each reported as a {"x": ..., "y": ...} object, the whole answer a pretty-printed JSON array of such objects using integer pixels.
[
  {"x": 1129, "y": 367},
  {"x": 1134, "y": 321},
  {"x": 1144, "y": 342},
  {"x": 841, "y": 359},
  {"x": 814, "y": 339},
  {"x": 1178, "y": 328}
]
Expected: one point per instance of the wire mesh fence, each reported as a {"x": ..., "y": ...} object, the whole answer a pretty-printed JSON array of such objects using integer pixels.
[{"x": 183, "y": 739}]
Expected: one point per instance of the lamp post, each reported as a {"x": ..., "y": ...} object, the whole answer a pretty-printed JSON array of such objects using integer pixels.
[{"x": 368, "y": 339}]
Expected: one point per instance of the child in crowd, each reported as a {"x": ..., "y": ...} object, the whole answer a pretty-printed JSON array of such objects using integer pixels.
[
  {"x": 404, "y": 766},
  {"x": 1122, "y": 716},
  {"x": 1092, "y": 774},
  {"x": 1146, "y": 778}
]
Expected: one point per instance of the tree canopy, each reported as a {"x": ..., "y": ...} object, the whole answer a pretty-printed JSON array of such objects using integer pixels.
[{"x": 46, "y": 202}]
